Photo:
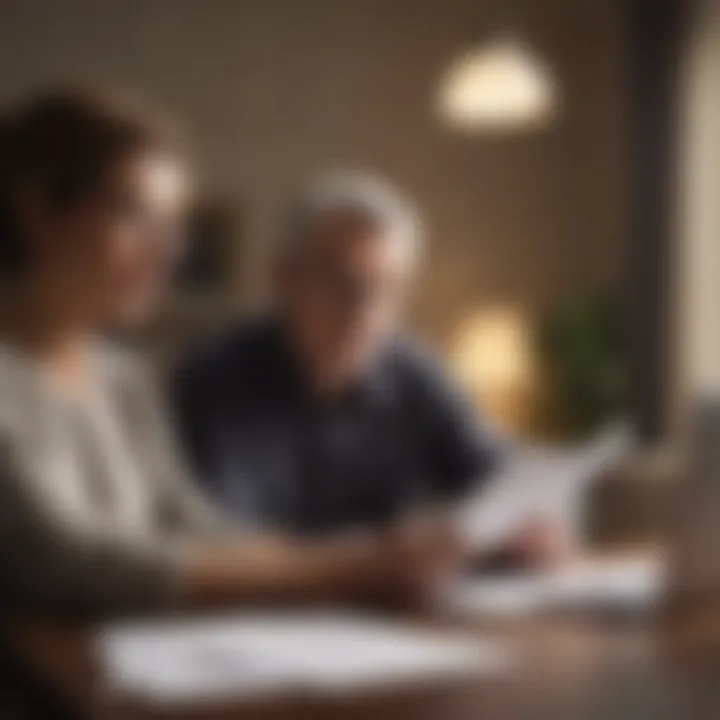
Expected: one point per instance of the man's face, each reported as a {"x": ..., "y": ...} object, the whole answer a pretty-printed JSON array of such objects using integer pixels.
[{"x": 343, "y": 294}]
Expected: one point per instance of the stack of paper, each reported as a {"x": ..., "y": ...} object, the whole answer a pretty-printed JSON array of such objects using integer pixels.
[
  {"x": 253, "y": 654},
  {"x": 630, "y": 585}
]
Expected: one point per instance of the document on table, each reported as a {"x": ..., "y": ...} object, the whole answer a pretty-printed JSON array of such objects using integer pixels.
[
  {"x": 539, "y": 481},
  {"x": 270, "y": 653},
  {"x": 633, "y": 584}
]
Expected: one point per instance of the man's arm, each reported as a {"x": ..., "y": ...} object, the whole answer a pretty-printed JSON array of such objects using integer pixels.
[
  {"x": 461, "y": 449},
  {"x": 463, "y": 454}
]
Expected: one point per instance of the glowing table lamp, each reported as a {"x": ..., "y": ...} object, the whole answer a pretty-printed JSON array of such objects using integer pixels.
[{"x": 493, "y": 359}]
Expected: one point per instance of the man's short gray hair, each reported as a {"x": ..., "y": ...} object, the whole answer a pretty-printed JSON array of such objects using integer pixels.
[{"x": 365, "y": 196}]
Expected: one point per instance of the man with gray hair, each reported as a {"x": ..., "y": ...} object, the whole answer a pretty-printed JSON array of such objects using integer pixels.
[{"x": 320, "y": 417}]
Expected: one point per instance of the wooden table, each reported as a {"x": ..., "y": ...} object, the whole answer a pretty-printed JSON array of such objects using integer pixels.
[{"x": 570, "y": 668}]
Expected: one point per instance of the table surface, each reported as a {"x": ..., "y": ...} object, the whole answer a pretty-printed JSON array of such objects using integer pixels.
[{"x": 571, "y": 667}]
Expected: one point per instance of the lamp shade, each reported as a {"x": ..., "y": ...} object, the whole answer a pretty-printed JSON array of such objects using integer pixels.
[{"x": 497, "y": 86}]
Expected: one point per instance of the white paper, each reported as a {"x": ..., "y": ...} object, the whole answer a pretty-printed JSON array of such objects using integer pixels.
[
  {"x": 539, "y": 482},
  {"x": 629, "y": 584},
  {"x": 268, "y": 653}
]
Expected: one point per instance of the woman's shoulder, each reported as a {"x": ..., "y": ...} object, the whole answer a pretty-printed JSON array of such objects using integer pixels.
[
  {"x": 129, "y": 376},
  {"x": 27, "y": 412},
  {"x": 124, "y": 367},
  {"x": 19, "y": 386},
  {"x": 119, "y": 362}
]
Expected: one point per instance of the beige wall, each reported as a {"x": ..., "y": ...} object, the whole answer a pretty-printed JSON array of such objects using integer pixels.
[
  {"x": 699, "y": 237},
  {"x": 276, "y": 88}
]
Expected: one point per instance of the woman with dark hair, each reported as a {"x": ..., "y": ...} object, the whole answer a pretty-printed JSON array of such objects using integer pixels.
[{"x": 95, "y": 513}]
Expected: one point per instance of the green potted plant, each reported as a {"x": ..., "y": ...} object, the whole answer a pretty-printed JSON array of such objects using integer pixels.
[{"x": 583, "y": 363}]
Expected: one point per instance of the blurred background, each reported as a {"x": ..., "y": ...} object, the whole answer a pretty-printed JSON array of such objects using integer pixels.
[{"x": 572, "y": 258}]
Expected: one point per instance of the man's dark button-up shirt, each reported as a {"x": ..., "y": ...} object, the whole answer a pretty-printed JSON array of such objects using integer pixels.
[{"x": 274, "y": 455}]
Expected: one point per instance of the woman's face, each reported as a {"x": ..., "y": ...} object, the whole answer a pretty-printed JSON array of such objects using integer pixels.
[{"x": 111, "y": 255}]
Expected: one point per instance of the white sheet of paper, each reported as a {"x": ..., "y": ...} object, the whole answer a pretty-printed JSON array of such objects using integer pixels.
[
  {"x": 628, "y": 584},
  {"x": 255, "y": 654},
  {"x": 539, "y": 481}
]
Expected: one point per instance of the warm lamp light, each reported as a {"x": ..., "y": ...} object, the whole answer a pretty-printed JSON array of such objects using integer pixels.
[
  {"x": 502, "y": 85},
  {"x": 493, "y": 359}
]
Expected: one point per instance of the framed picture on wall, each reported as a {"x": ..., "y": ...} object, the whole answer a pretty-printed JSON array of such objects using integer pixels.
[{"x": 203, "y": 291}]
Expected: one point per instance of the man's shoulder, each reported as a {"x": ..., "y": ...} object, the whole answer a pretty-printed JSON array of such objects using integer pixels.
[
  {"x": 233, "y": 350},
  {"x": 415, "y": 362}
]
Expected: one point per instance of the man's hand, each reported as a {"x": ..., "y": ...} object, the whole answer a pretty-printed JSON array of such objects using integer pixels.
[
  {"x": 540, "y": 543},
  {"x": 423, "y": 551},
  {"x": 403, "y": 564}
]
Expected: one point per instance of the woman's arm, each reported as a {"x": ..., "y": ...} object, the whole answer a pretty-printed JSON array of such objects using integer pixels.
[
  {"x": 51, "y": 553},
  {"x": 279, "y": 570},
  {"x": 54, "y": 556}
]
